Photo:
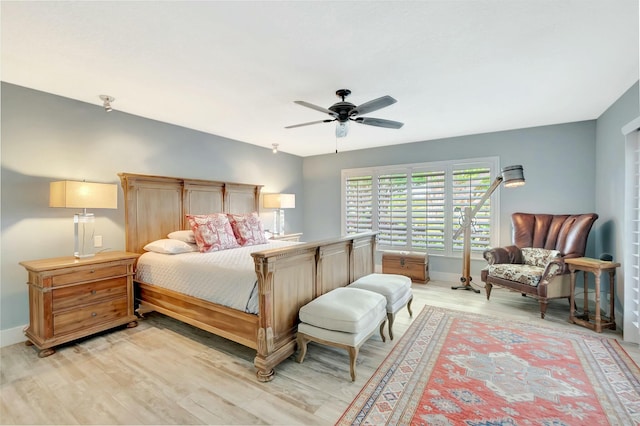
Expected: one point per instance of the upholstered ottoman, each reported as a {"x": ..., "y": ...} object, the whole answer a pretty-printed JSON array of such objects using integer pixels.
[
  {"x": 395, "y": 288},
  {"x": 344, "y": 318}
]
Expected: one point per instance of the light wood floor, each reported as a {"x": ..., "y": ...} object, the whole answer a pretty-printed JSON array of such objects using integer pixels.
[{"x": 166, "y": 372}]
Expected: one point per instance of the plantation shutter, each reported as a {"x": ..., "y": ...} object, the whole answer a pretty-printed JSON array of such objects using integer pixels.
[
  {"x": 468, "y": 186},
  {"x": 631, "y": 262},
  {"x": 413, "y": 206},
  {"x": 359, "y": 204},
  {"x": 427, "y": 210},
  {"x": 392, "y": 210}
]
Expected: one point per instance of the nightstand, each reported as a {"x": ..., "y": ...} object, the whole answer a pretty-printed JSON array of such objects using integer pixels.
[
  {"x": 71, "y": 298},
  {"x": 287, "y": 237}
]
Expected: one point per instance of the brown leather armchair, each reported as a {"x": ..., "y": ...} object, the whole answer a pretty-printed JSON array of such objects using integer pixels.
[{"x": 546, "y": 276}]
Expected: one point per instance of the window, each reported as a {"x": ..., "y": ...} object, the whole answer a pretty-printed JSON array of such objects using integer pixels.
[
  {"x": 359, "y": 204},
  {"x": 419, "y": 206},
  {"x": 469, "y": 185}
]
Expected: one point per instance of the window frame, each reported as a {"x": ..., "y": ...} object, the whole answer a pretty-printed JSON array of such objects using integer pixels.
[{"x": 450, "y": 218}]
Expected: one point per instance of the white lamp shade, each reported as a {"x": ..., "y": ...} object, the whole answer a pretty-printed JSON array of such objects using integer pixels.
[
  {"x": 279, "y": 201},
  {"x": 83, "y": 195}
]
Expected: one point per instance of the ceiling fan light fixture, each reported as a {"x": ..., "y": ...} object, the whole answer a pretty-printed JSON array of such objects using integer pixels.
[{"x": 342, "y": 128}]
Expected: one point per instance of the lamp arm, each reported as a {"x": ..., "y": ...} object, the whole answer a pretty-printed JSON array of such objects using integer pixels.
[{"x": 467, "y": 220}]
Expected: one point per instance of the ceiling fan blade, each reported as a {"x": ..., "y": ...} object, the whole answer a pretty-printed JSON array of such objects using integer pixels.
[
  {"x": 316, "y": 107},
  {"x": 379, "y": 122},
  {"x": 309, "y": 123},
  {"x": 373, "y": 105}
]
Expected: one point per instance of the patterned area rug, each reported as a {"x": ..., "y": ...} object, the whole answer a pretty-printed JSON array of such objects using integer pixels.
[{"x": 456, "y": 368}]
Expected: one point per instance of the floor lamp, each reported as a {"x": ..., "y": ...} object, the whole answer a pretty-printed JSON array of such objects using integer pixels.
[{"x": 512, "y": 176}]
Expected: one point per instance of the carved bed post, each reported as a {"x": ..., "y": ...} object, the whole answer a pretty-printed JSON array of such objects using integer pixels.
[{"x": 264, "y": 271}]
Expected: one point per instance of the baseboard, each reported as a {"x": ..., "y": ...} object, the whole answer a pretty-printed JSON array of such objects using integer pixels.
[
  {"x": 445, "y": 276},
  {"x": 11, "y": 336}
]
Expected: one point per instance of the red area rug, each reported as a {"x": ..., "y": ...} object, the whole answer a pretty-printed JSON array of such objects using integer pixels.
[{"x": 456, "y": 368}]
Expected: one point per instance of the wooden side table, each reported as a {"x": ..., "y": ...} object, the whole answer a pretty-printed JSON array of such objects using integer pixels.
[
  {"x": 596, "y": 321},
  {"x": 71, "y": 298}
]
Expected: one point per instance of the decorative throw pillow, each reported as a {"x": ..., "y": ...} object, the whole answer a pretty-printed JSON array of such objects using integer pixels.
[
  {"x": 186, "y": 236},
  {"x": 169, "y": 246},
  {"x": 538, "y": 256},
  {"x": 247, "y": 228},
  {"x": 212, "y": 232}
]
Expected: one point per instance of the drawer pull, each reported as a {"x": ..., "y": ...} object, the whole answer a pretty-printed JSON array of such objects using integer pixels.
[
  {"x": 92, "y": 271},
  {"x": 93, "y": 292},
  {"x": 93, "y": 314}
]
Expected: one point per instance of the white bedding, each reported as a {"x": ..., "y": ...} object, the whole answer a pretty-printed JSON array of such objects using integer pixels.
[{"x": 226, "y": 277}]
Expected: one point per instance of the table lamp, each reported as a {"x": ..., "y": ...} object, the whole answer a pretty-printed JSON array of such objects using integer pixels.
[
  {"x": 279, "y": 202},
  {"x": 83, "y": 195}
]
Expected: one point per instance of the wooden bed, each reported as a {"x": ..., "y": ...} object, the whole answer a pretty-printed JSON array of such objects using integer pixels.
[{"x": 287, "y": 277}]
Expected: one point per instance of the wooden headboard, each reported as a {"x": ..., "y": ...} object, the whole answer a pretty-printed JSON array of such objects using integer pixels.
[{"x": 157, "y": 205}]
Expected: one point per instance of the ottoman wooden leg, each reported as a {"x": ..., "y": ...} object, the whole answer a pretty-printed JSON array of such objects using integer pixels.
[
  {"x": 353, "y": 355},
  {"x": 390, "y": 317},
  {"x": 409, "y": 307},
  {"x": 382, "y": 331},
  {"x": 302, "y": 347}
]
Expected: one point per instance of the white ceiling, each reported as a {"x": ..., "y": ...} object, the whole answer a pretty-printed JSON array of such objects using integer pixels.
[{"x": 234, "y": 68}]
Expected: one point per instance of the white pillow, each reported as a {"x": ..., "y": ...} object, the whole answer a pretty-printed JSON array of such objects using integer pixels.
[
  {"x": 168, "y": 246},
  {"x": 186, "y": 236}
]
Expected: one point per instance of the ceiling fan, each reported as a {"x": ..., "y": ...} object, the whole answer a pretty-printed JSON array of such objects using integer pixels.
[{"x": 343, "y": 112}]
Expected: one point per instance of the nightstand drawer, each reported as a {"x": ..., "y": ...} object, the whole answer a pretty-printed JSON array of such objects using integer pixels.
[
  {"x": 70, "y": 297},
  {"x": 89, "y": 316},
  {"x": 94, "y": 272}
]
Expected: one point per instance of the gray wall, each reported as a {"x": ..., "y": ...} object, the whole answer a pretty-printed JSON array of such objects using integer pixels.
[
  {"x": 47, "y": 138},
  {"x": 609, "y": 187},
  {"x": 558, "y": 161}
]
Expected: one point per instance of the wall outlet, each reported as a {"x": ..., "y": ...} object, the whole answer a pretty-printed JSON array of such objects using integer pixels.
[{"x": 97, "y": 241}]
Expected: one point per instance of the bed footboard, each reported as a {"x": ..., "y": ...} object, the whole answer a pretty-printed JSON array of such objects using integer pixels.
[{"x": 291, "y": 277}]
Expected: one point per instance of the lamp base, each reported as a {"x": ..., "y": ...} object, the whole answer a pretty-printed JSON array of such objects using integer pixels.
[
  {"x": 278, "y": 222},
  {"x": 465, "y": 279},
  {"x": 466, "y": 285},
  {"x": 83, "y": 228}
]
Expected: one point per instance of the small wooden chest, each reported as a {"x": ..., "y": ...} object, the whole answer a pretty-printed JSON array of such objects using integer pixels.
[{"x": 411, "y": 264}]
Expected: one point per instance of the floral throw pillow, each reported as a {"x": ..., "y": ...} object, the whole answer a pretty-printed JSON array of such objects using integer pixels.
[
  {"x": 212, "y": 231},
  {"x": 538, "y": 256},
  {"x": 247, "y": 228}
]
